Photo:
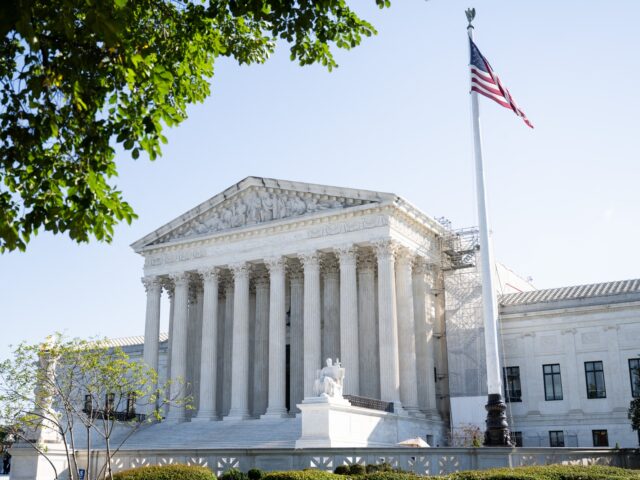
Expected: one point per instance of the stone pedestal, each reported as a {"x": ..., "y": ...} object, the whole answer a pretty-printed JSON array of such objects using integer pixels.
[
  {"x": 333, "y": 422},
  {"x": 27, "y": 464}
]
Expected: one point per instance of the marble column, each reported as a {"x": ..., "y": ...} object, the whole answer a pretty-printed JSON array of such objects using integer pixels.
[
  {"x": 196, "y": 346},
  {"x": 296, "y": 336},
  {"x": 406, "y": 331},
  {"x": 221, "y": 347},
  {"x": 169, "y": 288},
  {"x": 388, "y": 325},
  {"x": 153, "y": 287},
  {"x": 179, "y": 347},
  {"x": 240, "y": 349},
  {"x": 330, "y": 307},
  {"x": 368, "y": 327},
  {"x": 312, "y": 342},
  {"x": 277, "y": 339},
  {"x": 423, "y": 312},
  {"x": 227, "y": 347},
  {"x": 261, "y": 351},
  {"x": 209, "y": 341},
  {"x": 349, "y": 347}
]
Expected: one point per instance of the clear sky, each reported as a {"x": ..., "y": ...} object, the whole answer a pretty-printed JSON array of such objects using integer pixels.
[{"x": 394, "y": 117}]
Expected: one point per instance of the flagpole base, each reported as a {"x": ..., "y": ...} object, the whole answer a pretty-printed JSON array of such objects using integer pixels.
[{"x": 497, "y": 433}]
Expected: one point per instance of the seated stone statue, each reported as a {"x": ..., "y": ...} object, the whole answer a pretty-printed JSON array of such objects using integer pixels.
[{"x": 329, "y": 380}]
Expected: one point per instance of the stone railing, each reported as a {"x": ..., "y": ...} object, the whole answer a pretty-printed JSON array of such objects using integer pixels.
[
  {"x": 371, "y": 403},
  {"x": 432, "y": 461}
]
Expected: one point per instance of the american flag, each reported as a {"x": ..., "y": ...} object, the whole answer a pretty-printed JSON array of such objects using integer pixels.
[{"x": 485, "y": 81}]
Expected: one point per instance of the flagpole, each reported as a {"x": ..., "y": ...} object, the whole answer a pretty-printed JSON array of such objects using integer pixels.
[{"x": 497, "y": 432}]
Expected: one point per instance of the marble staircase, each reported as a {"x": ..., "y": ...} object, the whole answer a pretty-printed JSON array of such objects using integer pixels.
[{"x": 253, "y": 433}]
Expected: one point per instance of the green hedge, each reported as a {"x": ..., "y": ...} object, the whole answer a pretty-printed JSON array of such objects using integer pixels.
[
  {"x": 309, "y": 474},
  {"x": 548, "y": 472},
  {"x": 166, "y": 472}
]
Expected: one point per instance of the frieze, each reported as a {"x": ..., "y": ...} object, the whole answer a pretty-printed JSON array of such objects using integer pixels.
[
  {"x": 256, "y": 207},
  {"x": 173, "y": 257},
  {"x": 346, "y": 227}
]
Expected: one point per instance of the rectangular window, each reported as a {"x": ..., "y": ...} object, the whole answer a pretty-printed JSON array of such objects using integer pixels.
[
  {"x": 556, "y": 438},
  {"x": 600, "y": 438},
  {"x": 594, "y": 373},
  {"x": 109, "y": 402},
  {"x": 552, "y": 382},
  {"x": 634, "y": 374},
  {"x": 131, "y": 404},
  {"x": 516, "y": 437},
  {"x": 512, "y": 390},
  {"x": 88, "y": 404}
]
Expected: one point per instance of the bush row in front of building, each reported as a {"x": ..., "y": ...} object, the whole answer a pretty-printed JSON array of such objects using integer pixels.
[{"x": 546, "y": 472}]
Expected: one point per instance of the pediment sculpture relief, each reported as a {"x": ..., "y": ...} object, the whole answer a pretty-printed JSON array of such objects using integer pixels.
[{"x": 257, "y": 207}]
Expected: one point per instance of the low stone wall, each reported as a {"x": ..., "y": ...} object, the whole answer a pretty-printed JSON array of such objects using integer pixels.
[{"x": 430, "y": 461}]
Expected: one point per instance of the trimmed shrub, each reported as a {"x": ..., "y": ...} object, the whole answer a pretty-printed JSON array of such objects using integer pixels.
[
  {"x": 234, "y": 474},
  {"x": 379, "y": 467},
  {"x": 255, "y": 474},
  {"x": 342, "y": 470},
  {"x": 356, "y": 469},
  {"x": 392, "y": 476},
  {"x": 308, "y": 474},
  {"x": 549, "y": 472},
  {"x": 166, "y": 472}
]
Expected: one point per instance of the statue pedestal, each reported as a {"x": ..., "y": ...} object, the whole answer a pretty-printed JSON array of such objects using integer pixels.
[
  {"x": 329, "y": 422},
  {"x": 27, "y": 464}
]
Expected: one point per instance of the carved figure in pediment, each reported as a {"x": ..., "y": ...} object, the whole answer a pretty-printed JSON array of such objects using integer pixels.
[
  {"x": 266, "y": 213},
  {"x": 295, "y": 205},
  {"x": 279, "y": 207},
  {"x": 253, "y": 208},
  {"x": 226, "y": 217},
  {"x": 239, "y": 215}
]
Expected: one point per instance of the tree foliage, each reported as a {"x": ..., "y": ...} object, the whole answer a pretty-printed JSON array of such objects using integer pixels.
[
  {"x": 79, "y": 77},
  {"x": 634, "y": 406},
  {"x": 71, "y": 392}
]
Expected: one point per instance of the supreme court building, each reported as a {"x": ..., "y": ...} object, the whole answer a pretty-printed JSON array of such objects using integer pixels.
[{"x": 269, "y": 278}]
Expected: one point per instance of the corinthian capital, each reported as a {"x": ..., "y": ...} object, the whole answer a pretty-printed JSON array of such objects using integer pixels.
[
  {"x": 240, "y": 270},
  {"x": 180, "y": 279},
  {"x": 385, "y": 249},
  {"x": 309, "y": 259},
  {"x": 347, "y": 255},
  {"x": 151, "y": 283},
  {"x": 275, "y": 264},
  {"x": 210, "y": 274}
]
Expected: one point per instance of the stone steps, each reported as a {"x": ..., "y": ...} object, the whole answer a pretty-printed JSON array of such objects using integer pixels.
[{"x": 272, "y": 433}]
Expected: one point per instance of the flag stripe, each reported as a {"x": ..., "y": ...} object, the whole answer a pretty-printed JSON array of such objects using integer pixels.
[
  {"x": 485, "y": 82},
  {"x": 492, "y": 97}
]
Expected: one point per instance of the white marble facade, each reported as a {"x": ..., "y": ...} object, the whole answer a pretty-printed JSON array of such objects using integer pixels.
[{"x": 271, "y": 266}]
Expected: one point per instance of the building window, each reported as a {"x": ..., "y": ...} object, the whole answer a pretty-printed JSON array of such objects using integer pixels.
[
  {"x": 512, "y": 390},
  {"x": 131, "y": 403},
  {"x": 600, "y": 438},
  {"x": 556, "y": 438},
  {"x": 516, "y": 438},
  {"x": 634, "y": 374},
  {"x": 595, "y": 380},
  {"x": 109, "y": 401},
  {"x": 88, "y": 404},
  {"x": 552, "y": 382}
]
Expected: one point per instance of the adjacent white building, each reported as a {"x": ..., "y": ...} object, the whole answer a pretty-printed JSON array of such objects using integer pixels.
[{"x": 271, "y": 277}]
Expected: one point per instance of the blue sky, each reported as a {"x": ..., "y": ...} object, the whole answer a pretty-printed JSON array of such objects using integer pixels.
[{"x": 394, "y": 117}]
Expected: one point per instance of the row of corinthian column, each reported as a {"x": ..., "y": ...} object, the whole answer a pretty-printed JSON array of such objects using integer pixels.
[{"x": 385, "y": 346}]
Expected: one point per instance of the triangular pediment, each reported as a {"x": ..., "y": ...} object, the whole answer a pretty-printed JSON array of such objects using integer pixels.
[{"x": 256, "y": 201}]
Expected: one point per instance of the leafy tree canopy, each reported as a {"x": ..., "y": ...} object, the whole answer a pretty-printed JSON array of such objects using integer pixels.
[{"x": 78, "y": 77}]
